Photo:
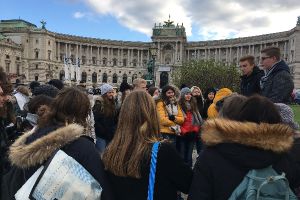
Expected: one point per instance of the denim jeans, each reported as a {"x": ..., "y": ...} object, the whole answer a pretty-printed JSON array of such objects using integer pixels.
[{"x": 185, "y": 146}]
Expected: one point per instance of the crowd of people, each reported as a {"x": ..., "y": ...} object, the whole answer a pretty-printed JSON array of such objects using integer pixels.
[{"x": 60, "y": 142}]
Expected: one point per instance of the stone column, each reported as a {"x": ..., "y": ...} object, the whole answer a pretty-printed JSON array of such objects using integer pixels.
[
  {"x": 284, "y": 53},
  {"x": 128, "y": 57},
  {"x": 97, "y": 58},
  {"x": 181, "y": 51},
  {"x": 101, "y": 56},
  {"x": 138, "y": 57},
  {"x": 77, "y": 55},
  {"x": 176, "y": 52},
  {"x": 131, "y": 57},
  {"x": 58, "y": 51},
  {"x": 66, "y": 50},
  {"x": 91, "y": 56},
  {"x": 122, "y": 56},
  {"x": 108, "y": 57},
  {"x": 230, "y": 54}
]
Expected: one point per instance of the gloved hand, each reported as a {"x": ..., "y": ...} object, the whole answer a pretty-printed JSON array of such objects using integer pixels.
[{"x": 172, "y": 117}]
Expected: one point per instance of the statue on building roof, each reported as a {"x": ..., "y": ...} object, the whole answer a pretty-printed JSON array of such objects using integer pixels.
[
  {"x": 43, "y": 22},
  {"x": 168, "y": 23},
  {"x": 298, "y": 21}
]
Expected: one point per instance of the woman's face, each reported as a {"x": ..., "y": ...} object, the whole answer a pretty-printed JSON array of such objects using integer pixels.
[
  {"x": 188, "y": 96},
  {"x": 170, "y": 94},
  {"x": 211, "y": 96},
  {"x": 127, "y": 92},
  {"x": 196, "y": 92},
  {"x": 156, "y": 93}
]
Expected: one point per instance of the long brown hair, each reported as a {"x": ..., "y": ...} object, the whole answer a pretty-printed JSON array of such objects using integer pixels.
[
  {"x": 137, "y": 129},
  {"x": 69, "y": 106},
  {"x": 193, "y": 103}
]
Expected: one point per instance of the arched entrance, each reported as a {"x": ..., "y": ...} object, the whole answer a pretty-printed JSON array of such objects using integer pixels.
[
  {"x": 94, "y": 77},
  {"x": 83, "y": 77},
  {"x": 164, "y": 79}
]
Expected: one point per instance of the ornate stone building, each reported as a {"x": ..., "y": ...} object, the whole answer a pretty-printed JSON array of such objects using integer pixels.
[{"x": 30, "y": 53}]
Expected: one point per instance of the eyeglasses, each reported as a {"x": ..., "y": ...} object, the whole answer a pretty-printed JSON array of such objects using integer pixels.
[{"x": 263, "y": 58}]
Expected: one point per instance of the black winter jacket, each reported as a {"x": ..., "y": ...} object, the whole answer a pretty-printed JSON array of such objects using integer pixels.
[
  {"x": 234, "y": 148},
  {"x": 251, "y": 84},
  {"x": 278, "y": 85},
  {"x": 34, "y": 148},
  {"x": 172, "y": 175}
]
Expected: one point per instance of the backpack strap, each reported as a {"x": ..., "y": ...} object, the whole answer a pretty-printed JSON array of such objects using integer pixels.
[
  {"x": 155, "y": 148},
  {"x": 271, "y": 179}
]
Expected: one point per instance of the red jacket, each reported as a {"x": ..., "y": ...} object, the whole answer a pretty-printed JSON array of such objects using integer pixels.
[{"x": 188, "y": 126}]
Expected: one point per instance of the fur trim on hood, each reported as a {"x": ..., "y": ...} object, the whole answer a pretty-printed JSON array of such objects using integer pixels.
[
  {"x": 28, "y": 155},
  {"x": 275, "y": 137}
]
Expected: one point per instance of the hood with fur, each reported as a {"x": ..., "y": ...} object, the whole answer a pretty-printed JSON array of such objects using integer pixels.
[
  {"x": 277, "y": 138},
  {"x": 28, "y": 155}
]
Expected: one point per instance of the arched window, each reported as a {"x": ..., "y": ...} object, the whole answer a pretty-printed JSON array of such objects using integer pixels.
[
  {"x": 124, "y": 77},
  {"x": 83, "y": 77},
  {"x": 94, "y": 77},
  {"x": 104, "y": 78},
  {"x": 36, "y": 77},
  {"x": 62, "y": 75},
  {"x": 115, "y": 78}
]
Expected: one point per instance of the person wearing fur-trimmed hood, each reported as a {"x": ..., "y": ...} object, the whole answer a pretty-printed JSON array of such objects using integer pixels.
[
  {"x": 62, "y": 127},
  {"x": 249, "y": 136},
  {"x": 170, "y": 114}
]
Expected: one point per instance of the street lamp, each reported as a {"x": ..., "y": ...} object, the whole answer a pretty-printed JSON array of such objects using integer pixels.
[{"x": 151, "y": 64}]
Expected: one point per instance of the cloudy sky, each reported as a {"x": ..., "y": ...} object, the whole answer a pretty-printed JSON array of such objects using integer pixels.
[{"x": 133, "y": 19}]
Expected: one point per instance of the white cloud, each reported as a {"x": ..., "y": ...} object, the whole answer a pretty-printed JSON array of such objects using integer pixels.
[
  {"x": 78, "y": 15},
  {"x": 212, "y": 19}
]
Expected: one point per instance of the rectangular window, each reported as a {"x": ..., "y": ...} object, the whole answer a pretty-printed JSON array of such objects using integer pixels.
[
  {"x": 7, "y": 67},
  {"x": 36, "y": 54}
]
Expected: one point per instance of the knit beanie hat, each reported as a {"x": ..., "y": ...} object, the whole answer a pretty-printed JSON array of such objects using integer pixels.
[
  {"x": 48, "y": 90},
  {"x": 185, "y": 91},
  {"x": 287, "y": 115},
  {"x": 105, "y": 88}
]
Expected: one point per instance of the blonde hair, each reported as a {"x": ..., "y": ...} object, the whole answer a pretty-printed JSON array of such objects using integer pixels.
[
  {"x": 136, "y": 82},
  {"x": 137, "y": 129}
]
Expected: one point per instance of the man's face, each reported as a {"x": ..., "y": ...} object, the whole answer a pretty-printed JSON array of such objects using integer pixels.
[
  {"x": 3, "y": 97},
  {"x": 267, "y": 61},
  {"x": 110, "y": 94},
  {"x": 246, "y": 67}
]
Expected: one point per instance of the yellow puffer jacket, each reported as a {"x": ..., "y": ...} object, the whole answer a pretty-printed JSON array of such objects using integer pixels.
[{"x": 164, "y": 121}]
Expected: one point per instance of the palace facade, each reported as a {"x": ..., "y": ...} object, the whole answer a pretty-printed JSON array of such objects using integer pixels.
[{"x": 29, "y": 53}]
